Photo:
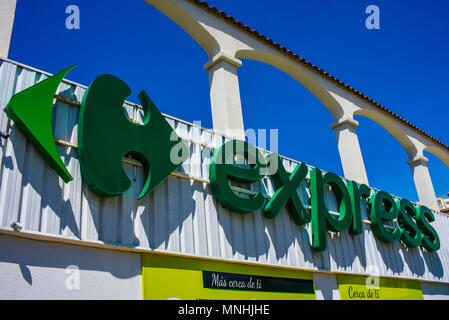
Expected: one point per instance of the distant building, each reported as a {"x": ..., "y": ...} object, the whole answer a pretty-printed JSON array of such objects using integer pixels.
[{"x": 443, "y": 203}]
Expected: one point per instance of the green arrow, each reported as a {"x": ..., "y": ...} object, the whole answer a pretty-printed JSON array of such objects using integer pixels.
[{"x": 31, "y": 111}]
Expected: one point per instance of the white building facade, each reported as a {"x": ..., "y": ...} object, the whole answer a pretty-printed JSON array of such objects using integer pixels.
[{"x": 65, "y": 241}]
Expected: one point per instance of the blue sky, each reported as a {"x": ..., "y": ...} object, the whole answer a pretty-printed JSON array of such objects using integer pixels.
[{"x": 403, "y": 66}]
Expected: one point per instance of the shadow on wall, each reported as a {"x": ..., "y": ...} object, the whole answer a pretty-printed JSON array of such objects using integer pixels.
[
  {"x": 390, "y": 255},
  {"x": 433, "y": 263},
  {"x": 397, "y": 257},
  {"x": 168, "y": 216},
  {"x": 26, "y": 174}
]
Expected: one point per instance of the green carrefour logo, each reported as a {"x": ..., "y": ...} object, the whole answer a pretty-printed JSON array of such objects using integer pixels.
[{"x": 105, "y": 135}]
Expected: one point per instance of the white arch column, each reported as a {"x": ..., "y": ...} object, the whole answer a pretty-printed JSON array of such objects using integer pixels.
[
  {"x": 349, "y": 149},
  {"x": 423, "y": 182},
  {"x": 227, "y": 116},
  {"x": 7, "y": 14}
]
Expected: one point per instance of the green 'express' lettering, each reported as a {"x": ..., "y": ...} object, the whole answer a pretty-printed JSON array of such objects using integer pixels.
[
  {"x": 391, "y": 221},
  {"x": 222, "y": 169},
  {"x": 322, "y": 219}
]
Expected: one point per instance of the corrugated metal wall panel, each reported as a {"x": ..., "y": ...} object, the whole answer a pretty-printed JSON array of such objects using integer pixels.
[{"x": 180, "y": 216}]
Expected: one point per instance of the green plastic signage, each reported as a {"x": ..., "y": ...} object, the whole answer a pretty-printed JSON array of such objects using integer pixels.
[
  {"x": 106, "y": 136},
  {"x": 286, "y": 193},
  {"x": 219, "y": 175},
  {"x": 31, "y": 111},
  {"x": 413, "y": 228}
]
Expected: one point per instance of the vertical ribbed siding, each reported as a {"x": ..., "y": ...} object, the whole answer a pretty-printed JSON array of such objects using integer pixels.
[{"x": 180, "y": 216}]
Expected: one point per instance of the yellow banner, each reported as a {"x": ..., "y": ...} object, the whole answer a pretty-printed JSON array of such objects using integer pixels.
[
  {"x": 171, "y": 277},
  {"x": 375, "y": 288}
]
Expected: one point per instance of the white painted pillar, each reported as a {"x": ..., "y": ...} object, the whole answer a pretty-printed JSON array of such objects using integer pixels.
[
  {"x": 7, "y": 13},
  {"x": 227, "y": 114},
  {"x": 423, "y": 182},
  {"x": 349, "y": 149},
  {"x": 326, "y": 286}
]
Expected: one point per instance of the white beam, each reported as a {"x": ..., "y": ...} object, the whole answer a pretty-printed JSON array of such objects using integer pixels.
[
  {"x": 349, "y": 149},
  {"x": 326, "y": 286},
  {"x": 423, "y": 182},
  {"x": 226, "y": 105}
]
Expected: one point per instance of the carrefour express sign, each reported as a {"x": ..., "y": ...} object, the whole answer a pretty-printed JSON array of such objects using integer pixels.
[{"x": 106, "y": 136}]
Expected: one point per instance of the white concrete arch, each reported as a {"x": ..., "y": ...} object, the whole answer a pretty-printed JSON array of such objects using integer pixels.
[
  {"x": 439, "y": 153},
  {"x": 186, "y": 20},
  {"x": 290, "y": 67},
  {"x": 226, "y": 42},
  {"x": 415, "y": 150},
  {"x": 391, "y": 127}
]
